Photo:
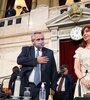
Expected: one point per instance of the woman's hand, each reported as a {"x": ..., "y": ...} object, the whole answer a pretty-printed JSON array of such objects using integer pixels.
[
  {"x": 86, "y": 82},
  {"x": 88, "y": 92}
]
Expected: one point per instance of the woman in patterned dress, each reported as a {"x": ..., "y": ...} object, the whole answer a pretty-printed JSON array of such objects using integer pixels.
[{"x": 82, "y": 63}]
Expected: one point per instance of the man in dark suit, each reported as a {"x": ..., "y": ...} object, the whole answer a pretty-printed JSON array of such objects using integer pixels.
[
  {"x": 24, "y": 10},
  {"x": 13, "y": 77},
  {"x": 64, "y": 89},
  {"x": 27, "y": 58},
  {"x": 10, "y": 12}
]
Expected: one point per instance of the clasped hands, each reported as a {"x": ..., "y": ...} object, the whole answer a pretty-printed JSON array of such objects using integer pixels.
[{"x": 42, "y": 59}]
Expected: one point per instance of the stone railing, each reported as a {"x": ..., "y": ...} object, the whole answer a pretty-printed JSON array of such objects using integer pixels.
[
  {"x": 34, "y": 21},
  {"x": 61, "y": 9},
  {"x": 14, "y": 25}
]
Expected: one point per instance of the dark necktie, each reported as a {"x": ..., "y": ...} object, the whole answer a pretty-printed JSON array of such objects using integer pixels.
[
  {"x": 60, "y": 83},
  {"x": 37, "y": 77}
]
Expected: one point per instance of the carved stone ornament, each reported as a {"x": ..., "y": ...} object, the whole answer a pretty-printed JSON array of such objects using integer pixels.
[{"x": 75, "y": 13}]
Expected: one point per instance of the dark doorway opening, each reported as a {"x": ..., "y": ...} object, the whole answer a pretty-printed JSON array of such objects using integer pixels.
[{"x": 67, "y": 50}]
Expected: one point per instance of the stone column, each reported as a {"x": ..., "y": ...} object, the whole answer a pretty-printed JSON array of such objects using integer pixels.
[
  {"x": 3, "y": 4},
  {"x": 55, "y": 44},
  {"x": 54, "y": 3},
  {"x": 43, "y": 2},
  {"x": 34, "y": 4}
]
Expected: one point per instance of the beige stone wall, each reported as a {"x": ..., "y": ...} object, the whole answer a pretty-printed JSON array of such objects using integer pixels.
[
  {"x": 13, "y": 37},
  {"x": 51, "y": 3},
  {"x": 3, "y": 4}
]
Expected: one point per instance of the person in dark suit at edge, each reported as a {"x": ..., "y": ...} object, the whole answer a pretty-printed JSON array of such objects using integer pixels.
[
  {"x": 15, "y": 73},
  {"x": 64, "y": 89},
  {"x": 24, "y": 10},
  {"x": 47, "y": 62},
  {"x": 10, "y": 12}
]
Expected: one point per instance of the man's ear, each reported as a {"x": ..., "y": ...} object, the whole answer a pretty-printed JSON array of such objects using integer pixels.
[{"x": 32, "y": 41}]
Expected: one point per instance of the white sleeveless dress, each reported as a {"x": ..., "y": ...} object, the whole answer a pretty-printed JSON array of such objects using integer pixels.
[{"x": 84, "y": 55}]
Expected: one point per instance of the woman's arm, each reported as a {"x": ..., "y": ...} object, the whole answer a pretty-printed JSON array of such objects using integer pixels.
[
  {"x": 79, "y": 74},
  {"x": 77, "y": 68}
]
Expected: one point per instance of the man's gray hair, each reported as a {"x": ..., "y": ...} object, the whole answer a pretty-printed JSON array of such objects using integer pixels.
[{"x": 33, "y": 35}]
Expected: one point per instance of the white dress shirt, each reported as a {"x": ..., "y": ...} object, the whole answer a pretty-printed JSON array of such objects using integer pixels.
[
  {"x": 32, "y": 75},
  {"x": 63, "y": 84}
]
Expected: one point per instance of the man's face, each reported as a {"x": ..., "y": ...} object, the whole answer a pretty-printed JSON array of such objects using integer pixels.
[
  {"x": 65, "y": 71},
  {"x": 38, "y": 41},
  {"x": 24, "y": 8}
]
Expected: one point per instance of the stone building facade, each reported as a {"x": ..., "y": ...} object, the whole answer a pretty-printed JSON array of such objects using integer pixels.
[{"x": 55, "y": 22}]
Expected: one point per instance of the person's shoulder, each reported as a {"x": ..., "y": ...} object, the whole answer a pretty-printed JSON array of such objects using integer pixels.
[
  {"x": 48, "y": 49},
  {"x": 79, "y": 49},
  {"x": 69, "y": 76},
  {"x": 27, "y": 11},
  {"x": 13, "y": 9},
  {"x": 26, "y": 47}
]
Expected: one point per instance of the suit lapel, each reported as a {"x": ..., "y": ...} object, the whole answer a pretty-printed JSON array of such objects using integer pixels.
[
  {"x": 32, "y": 50},
  {"x": 44, "y": 51},
  {"x": 43, "y": 68}
]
